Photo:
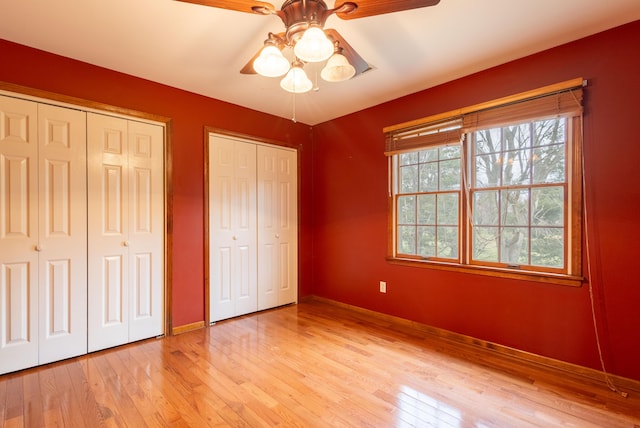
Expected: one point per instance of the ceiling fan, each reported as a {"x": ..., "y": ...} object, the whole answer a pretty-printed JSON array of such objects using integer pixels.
[{"x": 306, "y": 36}]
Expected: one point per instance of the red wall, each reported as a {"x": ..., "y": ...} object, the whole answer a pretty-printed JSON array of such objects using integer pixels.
[
  {"x": 350, "y": 215},
  {"x": 189, "y": 113}
]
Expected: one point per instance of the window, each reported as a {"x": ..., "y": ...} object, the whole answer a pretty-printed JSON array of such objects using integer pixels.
[
  {"x": 517, "y": 195},
  {"x": 495, "y": 190},
  {"x": 428, "y": 202}
]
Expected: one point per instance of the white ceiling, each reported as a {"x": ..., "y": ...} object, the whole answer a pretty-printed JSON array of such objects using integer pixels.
[{"x": 201, "y": 49}]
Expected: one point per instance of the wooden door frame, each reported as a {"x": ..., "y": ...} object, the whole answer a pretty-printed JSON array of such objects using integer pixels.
[{"x": 208, "y": 130}]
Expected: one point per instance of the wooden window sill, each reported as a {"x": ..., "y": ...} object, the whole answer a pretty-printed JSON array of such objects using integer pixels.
[{"x": 549, "y": 278}]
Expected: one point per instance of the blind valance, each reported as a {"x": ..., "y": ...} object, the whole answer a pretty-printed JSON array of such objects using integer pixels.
[
  {"x": 552, "y": 105},
  {"x": 561, "y": 99},
  {"x": 449, "y": 131}
]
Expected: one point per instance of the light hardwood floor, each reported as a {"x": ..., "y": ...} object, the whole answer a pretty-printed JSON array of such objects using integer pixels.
[{"x": 308, "y": 365}]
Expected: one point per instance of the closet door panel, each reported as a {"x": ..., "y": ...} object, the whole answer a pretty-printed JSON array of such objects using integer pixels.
[
  {"x": 286, "y": 274},
  {"x": 277, "y": 226},
  {"x": 18, "y": 177},
  {"x": 18, "y": 303},
  {"x": 108, "y": 264},
  {"x": 222, "y": 244},
  {"x": 268, "y": 245},
  {"x": 221, "y": 294},
  {"x": 267, "y": 275},
  {"x": 146, "y": 230},
  {"x": 232, "y": 224},
  {"x": 244, "y": 285},
  {"x": 245, "y": 253},
  {"x": 62, "y": 233},
  {"x": 18, "y": 234},
  {"x": 288, "y": 226}
]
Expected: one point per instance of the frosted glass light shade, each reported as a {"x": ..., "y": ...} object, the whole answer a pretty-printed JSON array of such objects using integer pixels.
[
  {"x": 271, "y": 62},
  {"x": 337, "y": 69},
  {"x": 296, "y": 81},
  {"x": 313, "y": 46}
]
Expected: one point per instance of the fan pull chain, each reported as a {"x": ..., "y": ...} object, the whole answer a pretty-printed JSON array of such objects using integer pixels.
[
  {"x": 293, "y": 94},
  {"x": 316, "y": 88}
]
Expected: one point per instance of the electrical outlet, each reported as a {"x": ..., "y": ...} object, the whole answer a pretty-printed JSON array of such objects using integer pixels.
[{"x": 383, "y": 287}]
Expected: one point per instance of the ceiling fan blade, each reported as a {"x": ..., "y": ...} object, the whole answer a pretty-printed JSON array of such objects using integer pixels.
[
  {"x": 380, "y": 7},
  {"x": 248, "y": 6},
  {"x": 354, "y": 58}
]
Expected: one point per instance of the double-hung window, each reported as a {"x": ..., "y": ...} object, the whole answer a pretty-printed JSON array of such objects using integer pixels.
[{"x": 494, "y": 188}]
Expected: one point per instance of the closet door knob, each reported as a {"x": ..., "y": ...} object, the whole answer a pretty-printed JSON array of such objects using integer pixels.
[
  {"x": 234, "y": 238},
  {"x": 125, "y": 243},
  {"x": 277, "y": 236},
  {"x": 38, "y": 248}
]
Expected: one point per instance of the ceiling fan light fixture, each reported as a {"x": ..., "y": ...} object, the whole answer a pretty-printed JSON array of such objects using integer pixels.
[
  {"x": 271, "y": 62},
  {"x": 337, "y": 69},
  {"x": 313, "y": 46},
  {"x": 296, "y": 80}
]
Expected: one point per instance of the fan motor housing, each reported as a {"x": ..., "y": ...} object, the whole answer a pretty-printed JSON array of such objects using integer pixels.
[{"x": 298, "y": 15}]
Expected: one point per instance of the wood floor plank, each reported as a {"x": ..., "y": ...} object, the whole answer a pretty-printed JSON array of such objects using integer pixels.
[
  {"x": 15, "y": 399},
  {"x": 70, "y": 408},
  {"x": 148, "y": 377},
  {"x": 307, "y": 365},
  {"x": 89, "y": 408},
  {"x": 4, "y": 380},
  {"x": 52, "y": 410},
  {"x": 33, "y": 406},
  {"x": 116, "y": 406},
  {"x": 164, "y": 387}
]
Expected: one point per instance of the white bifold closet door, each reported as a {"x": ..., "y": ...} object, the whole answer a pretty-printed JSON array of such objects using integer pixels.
[
  {"x": 277, "y": 227},
  {"x": 232, "y": 228},
  {"x": 253, "y": 227},
  {"x": 43, "y": 234},
  {"x": 126, "y": 230}
]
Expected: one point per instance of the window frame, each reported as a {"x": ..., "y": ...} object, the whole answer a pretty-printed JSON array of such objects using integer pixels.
[{"x": 572, "y": 273}]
